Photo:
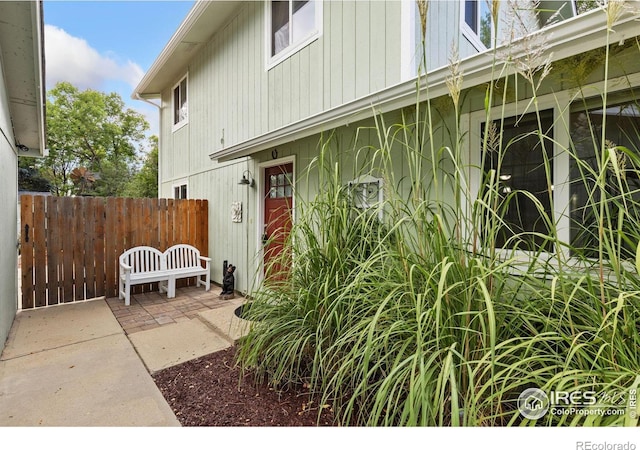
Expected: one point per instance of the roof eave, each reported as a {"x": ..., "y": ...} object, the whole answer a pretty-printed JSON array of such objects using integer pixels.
[
  {"x": 23, "y": 56},
  {"x": 203, "y": 20}
]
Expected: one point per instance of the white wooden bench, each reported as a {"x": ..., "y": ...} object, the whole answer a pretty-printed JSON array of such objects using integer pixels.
[
  {"x": 184, "y": 261},
  {"x": 140, "y": 265}
]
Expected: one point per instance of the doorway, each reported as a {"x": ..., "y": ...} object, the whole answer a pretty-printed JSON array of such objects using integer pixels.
[{"x": 278, "y": 204}]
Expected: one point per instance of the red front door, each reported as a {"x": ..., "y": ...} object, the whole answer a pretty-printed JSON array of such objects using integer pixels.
[{"x": 278, "y": 197}]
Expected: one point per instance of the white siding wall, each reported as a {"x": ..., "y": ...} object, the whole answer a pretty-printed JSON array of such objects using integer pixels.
[{"x": 8, "y": 218}]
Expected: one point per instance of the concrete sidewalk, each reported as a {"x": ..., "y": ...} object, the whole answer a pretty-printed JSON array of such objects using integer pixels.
[{"x": 73, "y": 365}]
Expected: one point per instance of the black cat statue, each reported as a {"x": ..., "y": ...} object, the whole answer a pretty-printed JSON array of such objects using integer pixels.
[{"x": 228, "y": 283}]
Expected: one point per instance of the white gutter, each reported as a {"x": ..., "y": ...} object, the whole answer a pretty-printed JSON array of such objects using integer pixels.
[
  {"x": 41, "y": 80},
  {"x": 574, "y": 36},
  {"x": 137, "y": 96}
]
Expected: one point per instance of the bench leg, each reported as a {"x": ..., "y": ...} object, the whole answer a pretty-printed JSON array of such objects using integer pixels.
[
  {"x": 171, "y": 288},
  {"x": 206, "y": 282},
  {"x": 120, "y": 288},
  {"x": 127, "y": 295}
]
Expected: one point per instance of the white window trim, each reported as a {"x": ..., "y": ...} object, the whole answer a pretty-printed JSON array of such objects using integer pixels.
[
  {"x": 469, "y": 34},
  {"x": 560, "y": 103},
  {"x": 178, "y": 184},
  {"x": 182, "y": 123},
  {"x": 273, "y": 61}
]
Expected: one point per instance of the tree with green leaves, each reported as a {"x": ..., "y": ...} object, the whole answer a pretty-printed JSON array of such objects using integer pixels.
[
  {"x": 29, "y": 176},
  {"x": 145, "y": 182},
  {"x": 93, "y": 134}
]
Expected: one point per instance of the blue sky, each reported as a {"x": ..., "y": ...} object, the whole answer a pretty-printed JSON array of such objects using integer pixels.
[{"x": 108, "y": 45}]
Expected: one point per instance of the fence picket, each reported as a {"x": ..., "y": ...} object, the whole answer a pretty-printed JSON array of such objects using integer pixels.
[
  {"x": 39, "y": 251},
  {"x": 53, "y": 250},
  {"x": 99, "y": 247},
  {"x": 89, "y": 231},
  {"x": 67, "y": 249},
  {"x": 110, "y": 259},
  {"x": 79, "y": 265},
  {"x": 26, "y": 250}
]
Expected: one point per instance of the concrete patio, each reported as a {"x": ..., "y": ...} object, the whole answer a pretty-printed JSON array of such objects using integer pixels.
[{"x": 90, "y": 363}]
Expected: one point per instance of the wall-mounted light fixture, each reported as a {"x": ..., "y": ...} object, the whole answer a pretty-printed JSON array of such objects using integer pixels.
[{"x": 247, "y": 180}]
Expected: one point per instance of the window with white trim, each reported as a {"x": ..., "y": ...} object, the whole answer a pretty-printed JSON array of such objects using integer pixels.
[
  {"x": 179, "y": 103},
  {"x": 292, "y": 24},
  {"x": 180, "y": 191},
  {"x": 621, "y": 120},
  {"x": 477, "y": 24},
  {"x": 518, "y": 167},
  {"x": 568, "y": 185}
]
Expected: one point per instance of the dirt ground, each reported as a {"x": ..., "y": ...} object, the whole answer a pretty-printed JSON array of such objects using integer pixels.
[{"x": 210, "y": 391}]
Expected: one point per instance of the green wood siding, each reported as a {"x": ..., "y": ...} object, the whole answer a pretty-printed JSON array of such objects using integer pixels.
[
  {"x": 9, "y": 219},
  {"x": 231, "y": 89},
  {"x": 234, "y": 97}
]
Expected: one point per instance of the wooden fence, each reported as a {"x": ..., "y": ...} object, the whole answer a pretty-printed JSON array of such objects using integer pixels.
[{"x": 69, "y": 246}]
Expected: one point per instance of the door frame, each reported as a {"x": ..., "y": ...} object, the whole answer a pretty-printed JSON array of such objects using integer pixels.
[{"x": 260, "y": 186}]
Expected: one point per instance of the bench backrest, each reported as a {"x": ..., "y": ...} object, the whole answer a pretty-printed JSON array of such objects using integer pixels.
[
  {"x": 181, "y": 256},
  {"x": 143, "y": 259}
]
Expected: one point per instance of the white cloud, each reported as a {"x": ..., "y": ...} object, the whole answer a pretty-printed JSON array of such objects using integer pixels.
[{"x": 72, "y": 59}]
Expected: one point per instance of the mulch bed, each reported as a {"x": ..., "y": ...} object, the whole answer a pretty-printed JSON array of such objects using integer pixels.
[{"x": 210, "y": 391}]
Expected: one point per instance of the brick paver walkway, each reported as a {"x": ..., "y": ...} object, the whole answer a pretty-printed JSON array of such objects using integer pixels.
[{"x": 152, "y": 309}]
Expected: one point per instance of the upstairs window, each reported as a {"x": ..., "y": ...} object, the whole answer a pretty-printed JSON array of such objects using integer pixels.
[
  {"x": 180, "y": 105},
  {"x": 292, "y": 25},
  {"x": 180, "y": 191},
  {"x": 477, "y": 25}
]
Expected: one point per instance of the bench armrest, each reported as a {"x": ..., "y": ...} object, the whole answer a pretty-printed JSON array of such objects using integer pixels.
[
  {"x": 206, "y": 260},
  {"x": 125, "y": 267}
]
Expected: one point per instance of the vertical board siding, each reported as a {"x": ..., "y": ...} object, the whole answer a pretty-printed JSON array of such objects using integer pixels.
[
  {"x": 229, "y": 242},
  {"x": 231, "y": 88},
  {"x": 71, "y": 250},
  {"x": 349, "y": 51},
  {"x": 378, "y": 44},
  {"x": 334, "y": 55},
  {"x": 362, "y": 50},
  {"x": 393, "y": 24}
]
